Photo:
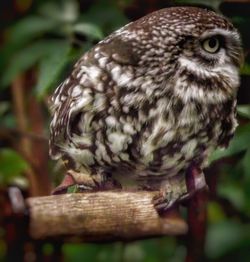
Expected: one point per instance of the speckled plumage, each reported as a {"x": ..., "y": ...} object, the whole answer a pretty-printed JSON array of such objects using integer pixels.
[{"x": 148, "y": 101}]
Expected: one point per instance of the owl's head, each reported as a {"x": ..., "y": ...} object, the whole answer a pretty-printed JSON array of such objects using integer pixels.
[{"x": 194, "y": 52}]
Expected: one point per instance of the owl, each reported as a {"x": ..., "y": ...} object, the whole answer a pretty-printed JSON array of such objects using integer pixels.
[{"x": 146, "y": 106}]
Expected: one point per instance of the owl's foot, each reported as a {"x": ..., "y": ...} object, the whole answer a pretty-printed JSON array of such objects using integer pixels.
[
  {"x": 179, "y": 189},
  {"x": 84, "y": 182},
  {"x": 165, "y": 200}
]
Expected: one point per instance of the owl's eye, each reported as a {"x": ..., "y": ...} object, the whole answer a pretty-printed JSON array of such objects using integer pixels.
[{"x": 211, "y": 45}]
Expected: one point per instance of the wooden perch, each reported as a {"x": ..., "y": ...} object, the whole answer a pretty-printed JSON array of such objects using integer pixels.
[{"x": 101, "y": 216}]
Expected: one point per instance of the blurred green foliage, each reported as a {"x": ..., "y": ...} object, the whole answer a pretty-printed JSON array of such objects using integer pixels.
[
  {"x": 49, "y": 38},
  {"x": 12, "y": 165}
]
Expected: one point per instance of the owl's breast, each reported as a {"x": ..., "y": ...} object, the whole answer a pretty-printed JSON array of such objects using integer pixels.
[
  {"x": 175, "y": 142},
  {"x": 171, "y": 152},
  {"x": 160, "y": 141}
]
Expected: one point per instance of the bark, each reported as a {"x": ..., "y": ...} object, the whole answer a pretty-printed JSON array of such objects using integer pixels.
[{"x": 101, "y": 216}]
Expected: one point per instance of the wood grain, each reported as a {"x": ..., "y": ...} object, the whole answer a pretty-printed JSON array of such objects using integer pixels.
[{"x": 101, "y": 216}]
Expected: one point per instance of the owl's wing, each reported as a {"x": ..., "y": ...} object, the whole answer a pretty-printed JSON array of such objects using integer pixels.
[
  {"x": 228, "y": 124},
  {"x": 64, "y": 107},
  {"x": 87, "y": 89}
]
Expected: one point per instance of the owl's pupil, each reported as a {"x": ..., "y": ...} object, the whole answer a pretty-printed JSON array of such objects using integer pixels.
[{"x": 212, "y": 42}]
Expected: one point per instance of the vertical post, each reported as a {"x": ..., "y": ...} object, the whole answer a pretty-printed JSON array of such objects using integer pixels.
[{"x": 197, "y": 224}]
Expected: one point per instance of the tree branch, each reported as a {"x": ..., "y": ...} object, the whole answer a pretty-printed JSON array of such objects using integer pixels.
[
  {"x": 34, "y": 151},
  {"x": 101, "y": 216}
]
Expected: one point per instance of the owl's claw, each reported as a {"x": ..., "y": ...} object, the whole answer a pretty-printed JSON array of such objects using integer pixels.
[
  {"x": 83, "y": 188},
  {"x": 166, "y": 200},
  {"x": 84, "y": 182},
  {"x": 181, "y": 190},
  {"x": 163, "y": 201},
  {"x": 67, "y": 182}
]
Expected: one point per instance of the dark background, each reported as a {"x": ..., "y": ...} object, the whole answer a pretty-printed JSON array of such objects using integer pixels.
[{"x": 40, "y": 41}]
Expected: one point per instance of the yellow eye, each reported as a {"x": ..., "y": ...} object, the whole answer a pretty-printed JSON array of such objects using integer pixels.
[{"x": 211, "y": 45}]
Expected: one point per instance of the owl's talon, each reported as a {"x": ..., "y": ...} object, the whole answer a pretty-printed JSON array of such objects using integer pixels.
[
  {"x": 67, "y": 182},
  {"x": 163, "y": 201},
  {"x": 82, "y": 182},
  {"x": 162, "y": 205},
  {"x": 83, "y": 188},
  {"x": 179, "y": 190}
]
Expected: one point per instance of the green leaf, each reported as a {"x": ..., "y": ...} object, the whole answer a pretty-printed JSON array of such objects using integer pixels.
[
  {"x": 233, "y": 192},
  {"x": 11, "y": 165},
  {"x": 7, "y": 118},
  {"x": 244, "y": 111},
  {"x": 246, "y": 163},
  {"x": 65, "y": 11},
  {"x": 29, "y": 28},
  {"x": 225, "y": 236},
  {"x": 214, "y": 4},
  {"x": 90, "y": 30},
  {"x": 72, "y": 189},
  {"x": 240, "y": 142},
  {"x": 23, "y": 32},
  {"x": 107, "y": 17},
  {"x": 48, "y": 249},
  {"x": 51, "y": 66},
  {"x": 4, "y": 107},
  {"x": 27, "y": 58},
  {"x": 76, "y": 252},
  {"x": 245, "y": 70},
  {"x": 134, "y": 252},
  {"x": 215, "y": 212},
  {"x": 8, "y": 121}
]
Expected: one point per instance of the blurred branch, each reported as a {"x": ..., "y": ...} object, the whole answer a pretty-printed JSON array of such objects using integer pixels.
[
  {"x": 101, "y": 216},
  {"x": 19, "y": 109},
  {"x": 30, "y": 118},
  {"x": 24, "y": 146},
  {"x": 39, "y": 155},
  {"x": 13, "y": 132}
]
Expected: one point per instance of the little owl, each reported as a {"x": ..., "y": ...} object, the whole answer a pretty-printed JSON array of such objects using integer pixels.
[{"x": 145, "y": 107}]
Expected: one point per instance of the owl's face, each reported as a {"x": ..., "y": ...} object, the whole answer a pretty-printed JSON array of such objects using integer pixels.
[
  {"x": 207, "y": 68},
  {"x": 191, "y": 52}
]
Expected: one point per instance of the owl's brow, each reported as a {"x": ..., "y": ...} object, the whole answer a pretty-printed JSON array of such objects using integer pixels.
[{"x": 185, "y": 39}]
